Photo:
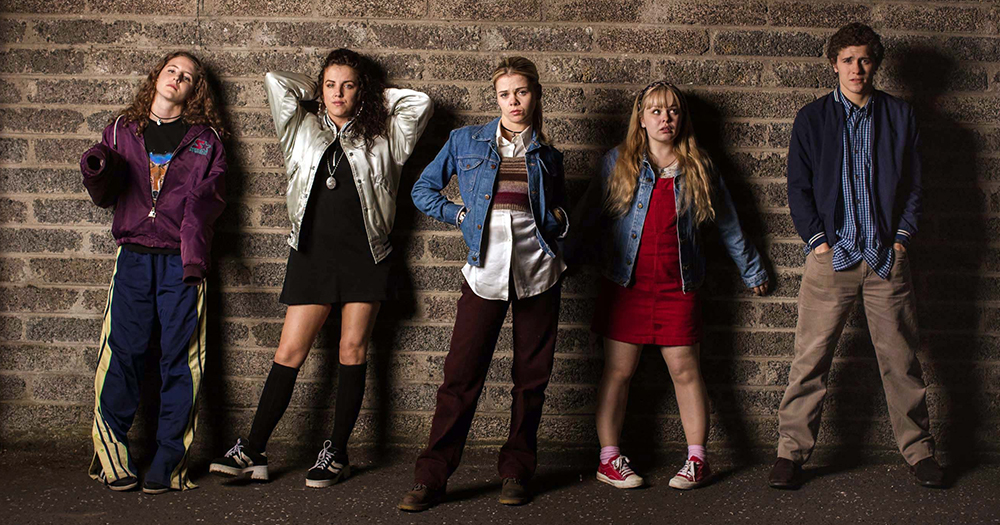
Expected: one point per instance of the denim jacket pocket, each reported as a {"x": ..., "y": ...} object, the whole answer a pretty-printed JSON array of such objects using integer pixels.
[{"x": 468, "y": 168}]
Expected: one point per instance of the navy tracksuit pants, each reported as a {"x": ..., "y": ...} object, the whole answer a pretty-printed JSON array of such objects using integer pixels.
[{"x": 145, "y": 288}]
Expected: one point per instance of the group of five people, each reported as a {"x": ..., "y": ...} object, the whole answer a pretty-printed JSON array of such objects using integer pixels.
[{"x": 854, "y": 194}]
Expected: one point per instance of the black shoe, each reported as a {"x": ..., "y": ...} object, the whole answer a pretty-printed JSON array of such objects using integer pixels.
[
  {"x": 929, "y": 473},
  {"x": 331, "y": 468},
  {"x": 513, "y": 492},
  {"x": 240, "y": 461},
  {"x": 420, "y": 498},
  {"x": 785, "y": 474},
  {"x": 152, "y": 487},
  {"x": 122, "y": 484}
]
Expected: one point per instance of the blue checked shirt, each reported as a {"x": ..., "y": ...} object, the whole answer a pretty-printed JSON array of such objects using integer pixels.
[{"x": 857, "y": 237}]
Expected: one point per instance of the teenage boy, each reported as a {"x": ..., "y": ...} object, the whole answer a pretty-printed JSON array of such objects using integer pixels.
[{"x": 854, "y": 194}]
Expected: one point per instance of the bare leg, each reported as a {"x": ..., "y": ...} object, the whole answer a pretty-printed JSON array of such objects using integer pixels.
[
  {"x": 302, "y": 323},
  {"x": 620, "y": 362},
  {"x": 689, "y": 387},
  {"x": 356, "y": 325}
]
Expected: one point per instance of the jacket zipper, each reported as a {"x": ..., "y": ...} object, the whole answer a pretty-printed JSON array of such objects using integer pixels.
[{"x": 152, "y": 209}]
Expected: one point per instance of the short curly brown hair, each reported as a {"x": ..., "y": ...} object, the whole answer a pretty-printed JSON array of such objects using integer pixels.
[{"x": 856, "y": 34}]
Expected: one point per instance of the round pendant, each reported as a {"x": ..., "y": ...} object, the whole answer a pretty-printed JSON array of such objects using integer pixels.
[{"x": 331, "y": 182}]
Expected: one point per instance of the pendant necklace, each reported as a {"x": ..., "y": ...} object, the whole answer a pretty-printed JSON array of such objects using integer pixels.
[
  {"x": 159, "y": 119},
  {"x": 331, "y": 182},
  {"x": 513, "y": 134}
]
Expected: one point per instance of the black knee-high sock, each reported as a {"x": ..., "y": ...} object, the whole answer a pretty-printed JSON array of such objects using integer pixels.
[
  {"x": 273, "y": 402},
  {"x": 350, "y": 394}
]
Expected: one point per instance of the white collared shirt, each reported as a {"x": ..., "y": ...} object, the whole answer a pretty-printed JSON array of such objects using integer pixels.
[{"x": 512, "y": 252}]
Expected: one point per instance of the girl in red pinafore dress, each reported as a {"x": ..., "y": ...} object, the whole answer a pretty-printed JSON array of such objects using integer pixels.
[
  {"x": 654, "y": 310},
  {"x": 658, "y": 188}
]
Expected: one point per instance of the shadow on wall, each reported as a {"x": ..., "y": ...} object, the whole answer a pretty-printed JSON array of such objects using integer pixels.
[
  {"x": 949, "y": 254},
  {"x": 214, "y": 433},
  {"x": 950, "y": 250}
]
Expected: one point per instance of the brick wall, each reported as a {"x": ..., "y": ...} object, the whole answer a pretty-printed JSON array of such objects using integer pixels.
[{"x": 67, "y": 65}]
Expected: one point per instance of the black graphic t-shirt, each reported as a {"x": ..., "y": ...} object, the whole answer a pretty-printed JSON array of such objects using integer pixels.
[{"x": 161, "y": 141}]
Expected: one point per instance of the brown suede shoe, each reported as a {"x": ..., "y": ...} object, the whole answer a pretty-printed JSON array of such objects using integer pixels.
[
  {"x": 513, "y": 492},
  {"x": 929, "y": 473},
  {"x": 785, "y": 474},
  {"x": 420, "y": 498}
]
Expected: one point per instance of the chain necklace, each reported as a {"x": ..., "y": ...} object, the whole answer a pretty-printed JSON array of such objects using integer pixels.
[
  {"x": 159, "y": 119},
  {"x": 332, "y": 161},
  {"x": 331, "y": 181}
]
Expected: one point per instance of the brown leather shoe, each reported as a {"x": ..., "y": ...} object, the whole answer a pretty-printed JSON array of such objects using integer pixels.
[
  {"x": 929, "y": 473},
  {"x": 513, "y": 492},
  {"x": 785, "y": 474},
  {"x": 420, "y": 498}
]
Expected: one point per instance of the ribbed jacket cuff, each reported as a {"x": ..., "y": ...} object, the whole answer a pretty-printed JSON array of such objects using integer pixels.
[
  {"x": 816, "y": 240},
  {"x": 903, "y": 237}
]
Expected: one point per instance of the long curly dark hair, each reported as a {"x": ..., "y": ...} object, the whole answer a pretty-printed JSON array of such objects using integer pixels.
[
  {"x": 372, "y": 116},
  {"x": 199, "y": 108}
]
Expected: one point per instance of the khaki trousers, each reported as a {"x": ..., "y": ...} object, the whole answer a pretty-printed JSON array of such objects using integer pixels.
[{"x": 825, "y": 300}]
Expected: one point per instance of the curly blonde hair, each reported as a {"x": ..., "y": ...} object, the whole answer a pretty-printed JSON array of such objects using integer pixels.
[{"x": 199, "y": 108}]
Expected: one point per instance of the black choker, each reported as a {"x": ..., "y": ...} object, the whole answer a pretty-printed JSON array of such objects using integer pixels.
[
  {"x": 513, "y": 134},
  {"x": 159, "y": 120}
]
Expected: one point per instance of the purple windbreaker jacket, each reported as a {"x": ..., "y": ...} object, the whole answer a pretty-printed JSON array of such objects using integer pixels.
[{"x": 116, "y": 173}]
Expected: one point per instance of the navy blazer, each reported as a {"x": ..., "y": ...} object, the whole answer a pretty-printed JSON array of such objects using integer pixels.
[{"x": 815, "y": 161}]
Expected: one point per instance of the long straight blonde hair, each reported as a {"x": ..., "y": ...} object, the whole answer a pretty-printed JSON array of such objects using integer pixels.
[
  {"x": 692, "y": 161},
  {"x": 526, "y": 68}
]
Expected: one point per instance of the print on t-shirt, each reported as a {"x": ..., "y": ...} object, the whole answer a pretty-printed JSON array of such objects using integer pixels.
[{"x": 158, "y": 163}]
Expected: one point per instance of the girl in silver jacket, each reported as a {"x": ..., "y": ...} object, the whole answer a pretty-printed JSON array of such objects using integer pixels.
[{"x": 343, "y": 162}]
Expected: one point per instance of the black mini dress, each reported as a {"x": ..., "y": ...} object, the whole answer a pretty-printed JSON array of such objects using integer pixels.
[{"x": 334, "y": 262}]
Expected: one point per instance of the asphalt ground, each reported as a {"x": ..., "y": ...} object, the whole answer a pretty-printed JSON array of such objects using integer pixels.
[{"x": 49, "y": 486}]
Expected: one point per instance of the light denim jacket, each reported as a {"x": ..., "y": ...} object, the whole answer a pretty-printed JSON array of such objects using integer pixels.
[
  {"x": 471, "y": 154},
  {"x": 619, "y": 237}
]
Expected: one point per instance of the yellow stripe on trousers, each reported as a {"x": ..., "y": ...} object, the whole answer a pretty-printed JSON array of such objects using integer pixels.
[
  {"x": 196, "y": 362},
  {"x": 110, "y": 455}
]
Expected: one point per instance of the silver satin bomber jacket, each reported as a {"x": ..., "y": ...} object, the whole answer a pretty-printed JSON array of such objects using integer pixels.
[{"x": 304, "y": 139}]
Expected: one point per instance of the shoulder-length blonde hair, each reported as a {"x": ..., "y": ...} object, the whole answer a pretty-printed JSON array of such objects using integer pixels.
[
  {"x": 199, "y": 108},
  {"x": 692, "y": 161},
  {"x": 526, "y": 68}
]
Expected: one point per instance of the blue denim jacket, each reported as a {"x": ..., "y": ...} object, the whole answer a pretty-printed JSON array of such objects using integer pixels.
[
  {"x": 619, "y": 237},
  {"x": 471, "y": 154}
]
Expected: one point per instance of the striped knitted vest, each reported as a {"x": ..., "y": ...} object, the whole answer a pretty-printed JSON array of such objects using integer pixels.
[{"x": 512, "y": 188}]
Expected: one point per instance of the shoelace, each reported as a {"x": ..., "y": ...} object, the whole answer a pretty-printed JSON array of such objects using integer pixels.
[
  {"x": 325, "y": 456},
  {"x": 512, "y": 480},
  {"x": 418, "y": 486},
  {"x": 621, "y": 465},
  {"x": 237, "y": 449},
  {"x": 688, "y": 470}
]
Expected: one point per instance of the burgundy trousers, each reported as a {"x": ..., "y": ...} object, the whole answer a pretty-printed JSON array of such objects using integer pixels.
[{"x": 473, "y": 340}]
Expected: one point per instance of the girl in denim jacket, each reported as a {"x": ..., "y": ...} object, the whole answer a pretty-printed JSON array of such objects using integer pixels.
[
  {"x": 511, "y": 182},
  {"x": 654, "y": 192}
]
